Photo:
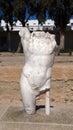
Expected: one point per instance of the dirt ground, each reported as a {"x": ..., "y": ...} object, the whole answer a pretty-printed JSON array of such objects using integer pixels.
[
  {"x": 61, "y": 90},
  {"x": 12, "y": 114}
]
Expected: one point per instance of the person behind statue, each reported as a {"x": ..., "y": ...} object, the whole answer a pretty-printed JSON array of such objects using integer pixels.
[{"x": 39, "y": 50}]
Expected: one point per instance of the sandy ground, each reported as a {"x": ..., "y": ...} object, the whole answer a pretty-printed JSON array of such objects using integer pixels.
[
  {"x": 12, "y": 114},
  {"x": 61, "y": 91}
]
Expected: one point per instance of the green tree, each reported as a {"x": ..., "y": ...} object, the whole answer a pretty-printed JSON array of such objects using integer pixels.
[
  {"x": 39, "y": 8},
  {"x": 12, "y": 8},
  {"x": 7, "y": 9},
  {"x": 61, "y": 11},
  {"x": 20, "y": 10}
]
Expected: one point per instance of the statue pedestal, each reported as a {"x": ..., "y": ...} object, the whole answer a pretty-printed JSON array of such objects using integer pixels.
[{"x": 39, "y": 49}]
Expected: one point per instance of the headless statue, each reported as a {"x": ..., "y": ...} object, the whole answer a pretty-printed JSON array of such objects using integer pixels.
[{"x": 39, "y": 50}]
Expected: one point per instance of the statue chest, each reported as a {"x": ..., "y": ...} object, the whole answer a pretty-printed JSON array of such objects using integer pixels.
[{"x": 39, "y": 46}]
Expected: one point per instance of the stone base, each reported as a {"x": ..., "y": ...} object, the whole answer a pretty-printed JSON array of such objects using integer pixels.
[
  {"x": 34, "y": 126},
  {"x": 60, "y": 118}
]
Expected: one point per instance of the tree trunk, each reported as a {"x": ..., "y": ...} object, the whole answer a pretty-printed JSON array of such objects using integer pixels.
[
  {"x": 62, "y": 39},
  {"x": 19, "y": 49},
  {"x": 9, "y": 41}
]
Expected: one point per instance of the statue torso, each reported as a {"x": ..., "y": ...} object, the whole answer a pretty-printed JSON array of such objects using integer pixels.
[{"x": 38, "y": 60}]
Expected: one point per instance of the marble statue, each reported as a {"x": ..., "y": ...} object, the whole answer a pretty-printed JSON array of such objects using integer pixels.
[{"x": 39, "y": 50}]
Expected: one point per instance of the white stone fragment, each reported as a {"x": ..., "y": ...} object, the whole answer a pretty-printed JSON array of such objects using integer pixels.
[{"x": 39, "y": 50}]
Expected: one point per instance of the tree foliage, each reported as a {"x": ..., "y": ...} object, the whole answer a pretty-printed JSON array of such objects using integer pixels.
[
  {"x": 20, "y": 10},
  {"x": 61, "y": 11},
  {"x": 38, "y": 7},
  {"x": 7, "y": 8},
  {"x": 13, "y": 8}
]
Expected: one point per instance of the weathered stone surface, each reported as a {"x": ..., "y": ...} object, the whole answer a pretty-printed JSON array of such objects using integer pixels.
[
  {"x": 33, "y": 126},
  {"x": 61, "y": 114},
  {"x": 39, "y": 52},
  {"x": 60, "y": 118},
  {"x": 4, "y": 105}
]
